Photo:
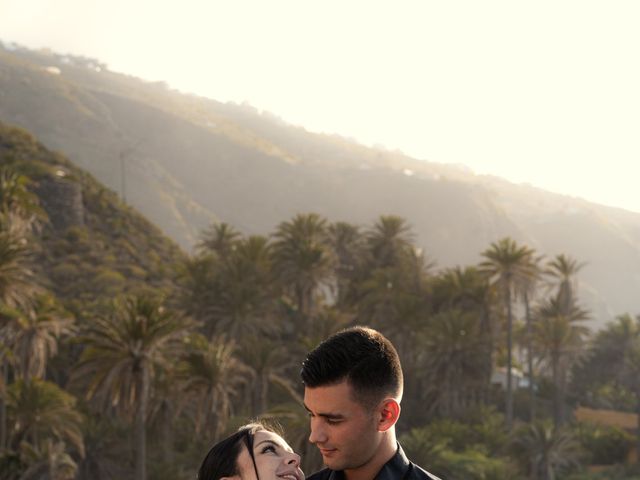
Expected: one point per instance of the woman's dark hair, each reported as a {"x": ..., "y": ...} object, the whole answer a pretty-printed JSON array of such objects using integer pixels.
[{"x": 222, "y": 459}]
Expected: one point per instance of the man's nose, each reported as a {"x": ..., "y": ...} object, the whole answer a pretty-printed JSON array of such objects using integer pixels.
[{"x": 317, "y": 433}]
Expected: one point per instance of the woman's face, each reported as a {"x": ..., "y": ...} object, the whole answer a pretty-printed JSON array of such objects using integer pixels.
[{"x": 275, "y": 460}]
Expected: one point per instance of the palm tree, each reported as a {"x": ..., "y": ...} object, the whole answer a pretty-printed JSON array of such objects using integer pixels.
[
  {"x": 389, "y": 241},
  {"x": 559, "y": 337},
  {"x": 545, "y": 451},
  {"x": 104, "y": 448},
  {"x": 40, "y": 410},
  {"x": 348, "y": 244},
  {"x": 33, "y": 335},
  {"x": 220, "y": 239},
  {"x": 452, "y": 350},
  {"x": 303, "y": 260},
  {"x": 526, "y": 289},
  {"x": 121, "y": 354},
  {"x": 268, "y": 361},
  {"x": 50, "y": 461},
  {"x": 211, "y": 376},
  {"x": 17, "y": 280},
  {"x": 20, "y": 210},
  {"x": 17, "y": 288},
  {"x": 199, "y": 285},
  {"x": 563, "y": 270},
  {"x": 468, "y": 290},
  {"x": 614, "y": 359},
  {"x": 426, "y": 448},
  {"x": 505, "y": 263},
  {"x": 246, "y": 289}
]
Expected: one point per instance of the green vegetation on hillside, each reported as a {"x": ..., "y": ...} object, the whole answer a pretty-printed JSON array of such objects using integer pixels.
[{"x": 121, "y": 357}]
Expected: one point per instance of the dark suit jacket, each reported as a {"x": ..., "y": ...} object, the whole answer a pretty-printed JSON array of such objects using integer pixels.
[{"x": 398, "y": 468}]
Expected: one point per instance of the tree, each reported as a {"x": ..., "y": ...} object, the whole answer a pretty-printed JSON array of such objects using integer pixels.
[
  {"x": 559, "y": 337},
  {"x": 17, "y": 288},
  {"x": 219, "y": 239},
  {"x": 50, "y": 461},
  {"x": 268, "y": 360},
  {"x": 544, "y": 451},
  {"x": 211, "y": 376},
  {"x": 468, "y": 290},
  {"x": 303, "y": 261},
  {"x": 20, "y": 210},
  {"x": 33, "y": 335},
  {"x": 505, "y": 263},
  {"x": 245, "y": 292},
  {"x": 452, "y": 358},
  {"x": 563, "y": 270},
  {"x": 41, "y": 410},
  {"x": 389, "y": 241},
  {"x": 121, "y": 354},
  {"x": 348, "y": 244},
  {"x": 526, "y": 288},
  {"x": 614, "y": 360},
  {"x": 17, "y": 281}
]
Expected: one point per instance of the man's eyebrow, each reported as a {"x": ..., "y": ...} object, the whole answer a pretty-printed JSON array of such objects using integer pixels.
[{"x": 334, "y": 416}]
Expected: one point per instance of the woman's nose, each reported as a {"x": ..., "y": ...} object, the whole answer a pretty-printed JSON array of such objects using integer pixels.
[{"x": 294, "y": 459}]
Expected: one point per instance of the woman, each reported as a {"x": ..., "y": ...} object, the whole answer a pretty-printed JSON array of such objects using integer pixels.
[{"x": 254, "y": 452}]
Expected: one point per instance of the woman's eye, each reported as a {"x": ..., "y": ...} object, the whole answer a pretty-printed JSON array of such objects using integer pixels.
[{"x": 268, "y": 449}]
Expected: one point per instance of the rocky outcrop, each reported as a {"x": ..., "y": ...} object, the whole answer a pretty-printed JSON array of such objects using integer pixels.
[{"x": 61, "y": 198}]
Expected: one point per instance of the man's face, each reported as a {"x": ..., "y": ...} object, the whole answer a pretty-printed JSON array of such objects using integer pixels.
[{"x": 344, "y": 431}]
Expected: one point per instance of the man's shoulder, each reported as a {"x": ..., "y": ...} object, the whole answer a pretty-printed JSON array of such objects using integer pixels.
[
  {"x": 323, "y": 474},
  {"x": 417, "y": 472}
]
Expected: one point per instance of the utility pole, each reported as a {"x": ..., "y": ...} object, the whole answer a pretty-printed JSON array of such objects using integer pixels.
[
  {"x": 124, "y": 153},
  {"x": 123, "y": 178}
]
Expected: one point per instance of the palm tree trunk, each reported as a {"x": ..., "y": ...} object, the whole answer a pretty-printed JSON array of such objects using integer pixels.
[
  {"x": 167, "y": 446},
  {"x": 532, "y": 399},
  {"x": 139, "y": 433},
  {"x": 562, "y": 388},
  {"x": 509, "y": 407},
  {"x": 3, "y": 406},
  {"x": 638, "y": 420},
  {"x": 488, "y": 354},
  {"x": 556, "y": 394}
]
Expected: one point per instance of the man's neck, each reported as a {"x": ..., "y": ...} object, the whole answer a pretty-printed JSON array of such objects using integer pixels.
[{"x": 385, "y": 452}]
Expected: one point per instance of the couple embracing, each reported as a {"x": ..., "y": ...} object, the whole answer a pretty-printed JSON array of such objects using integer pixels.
[{"x": 353, "y": 388}]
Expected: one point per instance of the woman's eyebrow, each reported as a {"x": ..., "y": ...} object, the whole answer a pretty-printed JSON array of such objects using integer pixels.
[
  {"x": 275, "y": 444},
  {"x": 269, "y": 441}
]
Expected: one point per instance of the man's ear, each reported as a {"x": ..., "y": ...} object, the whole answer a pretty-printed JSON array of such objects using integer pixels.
[{"x": 388, "y": 414}]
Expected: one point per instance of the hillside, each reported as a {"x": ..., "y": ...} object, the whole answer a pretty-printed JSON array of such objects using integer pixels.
[
  {"x": 92, "y": 247},
  {"x": 184, "y": 161}
]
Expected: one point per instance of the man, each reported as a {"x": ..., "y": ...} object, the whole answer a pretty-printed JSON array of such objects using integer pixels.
[{"x": 353, "y": 388}]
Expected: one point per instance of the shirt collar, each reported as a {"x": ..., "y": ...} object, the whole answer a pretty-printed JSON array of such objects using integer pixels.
[{"x": 394, "y": 469}]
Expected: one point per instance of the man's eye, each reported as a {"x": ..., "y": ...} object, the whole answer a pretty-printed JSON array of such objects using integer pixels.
[{"x": 333, "y": 421}]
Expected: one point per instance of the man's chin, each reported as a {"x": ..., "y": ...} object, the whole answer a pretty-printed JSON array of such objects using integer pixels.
[{"x": 331, "y": 459}]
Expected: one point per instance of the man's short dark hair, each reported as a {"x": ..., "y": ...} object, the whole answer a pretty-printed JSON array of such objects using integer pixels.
[{"x": 362, "y": 356}]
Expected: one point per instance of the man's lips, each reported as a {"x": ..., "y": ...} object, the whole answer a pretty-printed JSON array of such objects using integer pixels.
[{"x": 327, "y": 451}]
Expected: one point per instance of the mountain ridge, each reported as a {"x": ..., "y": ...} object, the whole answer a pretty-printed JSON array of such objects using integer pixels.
[{"x": 189, "y": 161}]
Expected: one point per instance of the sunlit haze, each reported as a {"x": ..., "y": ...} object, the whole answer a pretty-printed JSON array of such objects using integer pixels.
[{"x": 543, "y": 92}]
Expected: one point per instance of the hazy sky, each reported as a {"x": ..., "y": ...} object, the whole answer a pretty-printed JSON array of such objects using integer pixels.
[{"x": 544, "y": 92}]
